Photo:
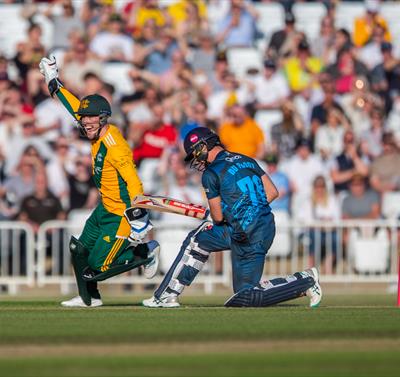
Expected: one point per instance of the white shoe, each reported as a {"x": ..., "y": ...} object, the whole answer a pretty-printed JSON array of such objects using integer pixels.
[
  {"x": 77, "y": 302},
  {"x": 150, "y": 269},
  {"x": 167, "y": 300},
  {"x": 315, "y": 292}
]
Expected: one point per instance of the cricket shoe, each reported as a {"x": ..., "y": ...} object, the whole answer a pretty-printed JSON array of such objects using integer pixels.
[
  {"x": 167, "y": 300},
  {"x": 77, "y": 302},
  {"x": 151, "y": 268},
  {"x": 315, "y": 292}
]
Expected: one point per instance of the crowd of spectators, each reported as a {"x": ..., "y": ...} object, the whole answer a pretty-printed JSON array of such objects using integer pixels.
[{"x": 333, "y": 154}]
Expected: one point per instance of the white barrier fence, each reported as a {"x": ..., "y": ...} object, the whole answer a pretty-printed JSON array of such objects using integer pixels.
[
  {"x": 17, "y": 255},
  {"x": 349, "y": 251},
  {"x": 54, "y": 257}
]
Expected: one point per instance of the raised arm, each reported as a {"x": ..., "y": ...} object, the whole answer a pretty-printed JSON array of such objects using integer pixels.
[{"x": 48, "y": 68}]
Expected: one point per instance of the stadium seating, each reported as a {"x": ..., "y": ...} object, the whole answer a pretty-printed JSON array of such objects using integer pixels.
[
  {"x": 266, "y": 119},
  {"x": 241, "y": 59},
  {"x": 391, "y": 205},
  {"x": 346, "y": 12},
  {"x": 271, "y": 18},
  {"x": 308, "y": 18},
  {"x": 369, "y": 252},
  {"x": 281, "y": 246},
  {"x": 117, "y": 75},
  {"x": 148, "y": 174},
  {"x": 12, "y": 29}
]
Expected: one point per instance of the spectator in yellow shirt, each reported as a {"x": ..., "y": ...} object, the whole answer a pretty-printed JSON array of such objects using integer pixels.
[
  {"x": 364, "y": 26},
  {"x": 302, "y": 70},
  {"x": 241, "y": 134}
]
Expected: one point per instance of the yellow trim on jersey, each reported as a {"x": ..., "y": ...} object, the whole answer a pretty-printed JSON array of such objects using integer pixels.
[
  {"x": 110, "y": 257},
  {"x": 124, "y": 228},
  {"x": 70, "y": 102}
]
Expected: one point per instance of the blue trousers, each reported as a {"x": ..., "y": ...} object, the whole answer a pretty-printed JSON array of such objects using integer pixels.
[{"x": 247, "y": 258}]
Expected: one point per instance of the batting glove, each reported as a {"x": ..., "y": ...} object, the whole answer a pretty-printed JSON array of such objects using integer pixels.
[{"x": 140, "y": 224}]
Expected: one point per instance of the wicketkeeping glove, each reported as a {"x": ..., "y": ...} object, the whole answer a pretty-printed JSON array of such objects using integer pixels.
[
  {"x": 140, "y": 223},
  {"x": 48, "y": 68}
]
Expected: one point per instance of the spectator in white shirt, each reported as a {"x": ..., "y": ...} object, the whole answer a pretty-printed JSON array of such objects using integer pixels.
[
  {"x": 322, "y": 242},
  {"x": 113, "y": 45},
  {"x": 329, "y": 137},
  {"x": 302, "y": 169},
  {"x": 270, "y": 89}
]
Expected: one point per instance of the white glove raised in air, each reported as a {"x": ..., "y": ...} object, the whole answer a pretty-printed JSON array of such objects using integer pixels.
[
  {"x": 140, "y": 224},
  {"x": 48, "y": 68}
]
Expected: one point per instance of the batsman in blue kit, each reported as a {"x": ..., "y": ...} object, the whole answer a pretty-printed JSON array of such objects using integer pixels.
[{"x": 238, "y": 193}]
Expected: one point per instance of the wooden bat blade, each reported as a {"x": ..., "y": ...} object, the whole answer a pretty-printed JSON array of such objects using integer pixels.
[{"x": 164, "y": 204}]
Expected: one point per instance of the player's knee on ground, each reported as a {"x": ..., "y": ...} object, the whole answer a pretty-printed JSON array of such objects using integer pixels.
[{"x": 273, "y": 292}]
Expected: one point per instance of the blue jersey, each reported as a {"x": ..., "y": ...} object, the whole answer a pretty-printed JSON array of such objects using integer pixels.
[{"x": 237, "y": 180}]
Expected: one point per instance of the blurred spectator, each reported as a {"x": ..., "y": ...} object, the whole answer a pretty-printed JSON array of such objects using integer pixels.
[
  {"x": 95, "y": 15},
  {"x": 203, "y": 56},
  {"x": 21, "y": 182},
  {"x": 190, "y": 20},
  {"x": 364, "y": 25},
  {"x": 82, "y": 190},
  {"x": 284, "y": 135},
  {"x": 92, "y": 83},
  {"x": 270, "y": 90},
  {"x": 232, "y": 93},
  {"x": 56, "y": 170},
  {"x": 13, "y": 105},
  {"x": 385, "y": 169},
  {"x": 41, "y": 205},
  {"x": 302, "y": 168},
  {"x": 320, "y": 111},
  {"x": 385, "y": 77},
  {"x": 154, "y": 53},
  {"x": 29, "y": 52},
  {"x": 170, "y": 80},
  {"x": 347, "y": 164},
  {"x": 199, "y": 116},
  {"x": 139, "y": 13},
  {"x": 360, "y": 202},
  {"x": 284, "y": 42},
  {"x": 371, "y": 138},
  {"x": 346, "y": 69},
  {"x": 371, "y": 54},
  {"x": 221, "y": 69},
  {"x": 358, "y": 104},
  {"x": 323, "y": 46},
  {"x": 150, "y": 142},
  {"x": 302, "y": 69},
  {"x": 329, "y": 137},
  {"x": 65, "y": 21},
  {"x": 281, "y": 181},
  {"x": 342, "y": 41},
  {"x": 241, "y": 134},
  {"x": 112, "y": 45},
  {"x": 20, "y": 142},
  {"x": 78, "y": 61},
  {"x": 321, "y": 206},
  {"x": 51, "y": 120},
  {"x": 4, "y": 78},
  {"x": 238, "y": 28}
]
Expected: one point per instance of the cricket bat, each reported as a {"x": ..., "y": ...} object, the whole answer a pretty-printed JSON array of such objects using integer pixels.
[{"x": 165, "y": 204}]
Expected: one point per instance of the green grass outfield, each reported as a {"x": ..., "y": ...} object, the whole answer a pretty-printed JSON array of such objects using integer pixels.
[{"x": 346, "y": 336}]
